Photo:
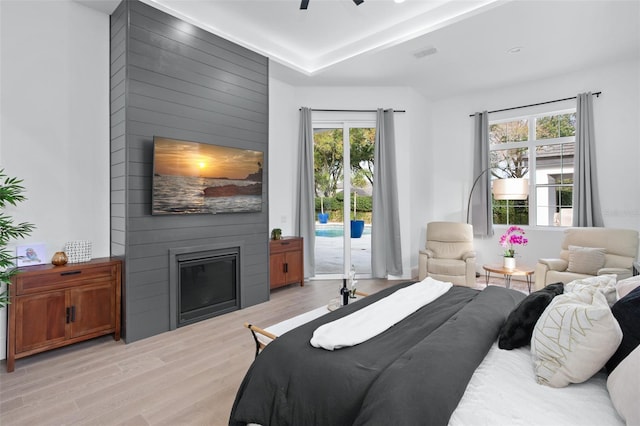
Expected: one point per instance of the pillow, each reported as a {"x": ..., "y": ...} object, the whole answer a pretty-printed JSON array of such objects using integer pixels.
[
  {"x": 627, "y": 313},
  {"x": 623, "y": 388},
  {"x": 574, "y": 338},
  {"x": 624, "y": 287},
  {"x": 605, "y": 284},
  {"x": 586, "y": 260},
  {"x": 517, "y": 329}
]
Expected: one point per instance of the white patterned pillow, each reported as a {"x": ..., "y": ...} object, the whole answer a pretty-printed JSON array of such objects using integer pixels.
[
  {"x": 586, "y": 260},
  {"x": 623, "y": 387},
  {"x": 605, "y": 284},
  {"x": 574, "y": 338}
]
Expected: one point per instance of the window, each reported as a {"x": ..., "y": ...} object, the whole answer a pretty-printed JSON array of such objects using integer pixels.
[{"x": 539, "y": 146}]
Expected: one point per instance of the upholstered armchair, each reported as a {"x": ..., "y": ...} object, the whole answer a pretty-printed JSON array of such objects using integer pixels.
[
  {"x": 448, "y": 255},
  {"x": 588, "y": 252}
]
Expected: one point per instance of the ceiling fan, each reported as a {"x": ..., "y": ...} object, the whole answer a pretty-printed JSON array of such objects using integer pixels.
[{"x": 304, "y": 4}]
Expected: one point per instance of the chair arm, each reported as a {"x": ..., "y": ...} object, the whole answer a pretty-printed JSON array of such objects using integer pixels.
[
  {"x": 427, "y": 252},
  {"x": 468, "y": 255},
  {"x": 555, "y": 264}
]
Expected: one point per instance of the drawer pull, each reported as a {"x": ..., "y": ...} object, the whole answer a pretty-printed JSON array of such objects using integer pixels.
[
  {"x": 68, "y": 316},
  {"x": 70, "y": 273},
  {"x": 285, "y": 243}
]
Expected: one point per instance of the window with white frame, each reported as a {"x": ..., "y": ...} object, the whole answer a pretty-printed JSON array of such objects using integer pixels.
[{"x": 538, "y": 148}]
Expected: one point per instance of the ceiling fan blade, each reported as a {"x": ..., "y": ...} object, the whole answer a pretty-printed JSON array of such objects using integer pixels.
[
  {"x": 304, "y": 4},
  {"x": 358, "y": 2}
]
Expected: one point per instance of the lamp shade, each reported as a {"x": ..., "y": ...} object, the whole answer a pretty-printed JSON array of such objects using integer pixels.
[{"x": 510, "y": 189}]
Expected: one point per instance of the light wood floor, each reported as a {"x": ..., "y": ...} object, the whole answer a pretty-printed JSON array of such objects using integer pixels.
[{"x": 184, "y": 377}]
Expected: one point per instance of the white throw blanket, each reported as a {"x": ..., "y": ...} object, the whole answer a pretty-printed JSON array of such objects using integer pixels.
[{"x": 373, "y": 319}]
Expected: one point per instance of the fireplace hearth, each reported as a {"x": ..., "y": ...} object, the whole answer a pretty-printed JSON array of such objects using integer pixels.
[{"x": 204, "y": 283}]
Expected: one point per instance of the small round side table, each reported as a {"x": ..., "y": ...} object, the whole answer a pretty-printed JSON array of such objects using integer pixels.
[{"x": 520, "y": 270}]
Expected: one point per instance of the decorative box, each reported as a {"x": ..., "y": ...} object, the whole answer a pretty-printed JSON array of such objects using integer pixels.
[{"x": 78, "y": 251}]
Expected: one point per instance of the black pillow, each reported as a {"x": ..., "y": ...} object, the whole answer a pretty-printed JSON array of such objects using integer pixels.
[
  {"x": 518, "y": 328},
  {"x": 627, "y": 312}
]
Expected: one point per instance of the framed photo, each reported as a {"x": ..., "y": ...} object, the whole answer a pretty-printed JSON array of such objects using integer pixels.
[{"x": 32, "y": 254}]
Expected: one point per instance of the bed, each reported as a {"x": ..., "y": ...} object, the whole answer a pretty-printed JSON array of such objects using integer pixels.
[{"x": 440, "y": 365}]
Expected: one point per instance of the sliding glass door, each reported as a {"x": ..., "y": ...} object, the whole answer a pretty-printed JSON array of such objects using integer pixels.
[{"x": 343, "y": 168}]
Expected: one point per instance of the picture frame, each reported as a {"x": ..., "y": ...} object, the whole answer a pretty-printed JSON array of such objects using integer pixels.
[{"x": 31, "y": 254}]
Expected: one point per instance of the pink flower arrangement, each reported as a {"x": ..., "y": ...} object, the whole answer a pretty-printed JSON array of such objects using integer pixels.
[{"x": 513, "y": 237}]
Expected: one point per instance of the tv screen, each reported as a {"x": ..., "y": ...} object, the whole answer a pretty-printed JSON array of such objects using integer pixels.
[{"x": 196, "y": 178}]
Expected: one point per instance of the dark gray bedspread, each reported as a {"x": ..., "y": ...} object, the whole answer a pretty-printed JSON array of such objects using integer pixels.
[{"x": 413, "y": 373}]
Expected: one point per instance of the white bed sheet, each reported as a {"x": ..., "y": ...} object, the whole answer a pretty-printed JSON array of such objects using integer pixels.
[{"x": 503, "y": 391}]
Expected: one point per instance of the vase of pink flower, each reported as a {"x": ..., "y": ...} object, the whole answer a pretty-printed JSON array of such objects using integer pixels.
[{"x": 513, "y": 237}]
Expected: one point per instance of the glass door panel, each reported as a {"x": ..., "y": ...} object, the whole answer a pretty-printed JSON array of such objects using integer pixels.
[{"x": 328, "y": 164}]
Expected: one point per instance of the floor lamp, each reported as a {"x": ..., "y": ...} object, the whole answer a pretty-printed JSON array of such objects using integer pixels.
[{"x": 503, "y": 189}]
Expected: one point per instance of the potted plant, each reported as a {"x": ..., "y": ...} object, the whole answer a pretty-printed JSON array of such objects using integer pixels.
[
  {"x": 513, "y": 237},
  {"x": 322, "y": 216},
  {"x": 276, "y": 234},
  {"x": 10, "y": 193},
  {"x": 357, "y": 226}
]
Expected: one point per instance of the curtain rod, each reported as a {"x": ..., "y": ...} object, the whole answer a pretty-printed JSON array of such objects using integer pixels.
[
  {"x": 597, "y": 94},
  {"x": 352, "y": 110}
]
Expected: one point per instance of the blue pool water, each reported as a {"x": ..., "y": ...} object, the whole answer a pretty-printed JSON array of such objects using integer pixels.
[{"x": 335, "y": 230}]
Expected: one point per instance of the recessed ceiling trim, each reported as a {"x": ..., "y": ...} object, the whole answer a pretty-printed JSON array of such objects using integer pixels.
[{"x": 310, "y": 63}]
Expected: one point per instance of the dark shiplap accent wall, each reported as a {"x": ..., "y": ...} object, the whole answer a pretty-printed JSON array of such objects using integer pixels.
[{"x": 170, "y": 78}]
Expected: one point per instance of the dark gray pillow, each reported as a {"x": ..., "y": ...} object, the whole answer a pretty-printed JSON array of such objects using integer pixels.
[{"x": 518, "y": 328}]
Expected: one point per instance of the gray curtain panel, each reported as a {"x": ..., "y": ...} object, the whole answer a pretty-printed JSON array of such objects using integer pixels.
[
  {"x": 481, "y": 211},
  {"x": 586, "y": 200},
  {"x": 386, "y": 252},
  {"x": 305, "y": 212}
]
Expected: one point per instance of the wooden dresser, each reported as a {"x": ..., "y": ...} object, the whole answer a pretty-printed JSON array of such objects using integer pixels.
[
  {"x": 53, "y": 306},
  {"x": 286, "y": 262}
]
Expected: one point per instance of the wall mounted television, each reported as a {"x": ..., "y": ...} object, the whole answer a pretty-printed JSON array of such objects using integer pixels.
[{"x": 198, "y": 178}]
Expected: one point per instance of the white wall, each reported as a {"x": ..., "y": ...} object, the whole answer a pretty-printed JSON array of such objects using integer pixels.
[
  {"x": 617, "y": 126},
  {"x": 54, "y": 121}
]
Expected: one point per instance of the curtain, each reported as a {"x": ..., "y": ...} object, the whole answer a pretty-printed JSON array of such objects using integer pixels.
[
  {"x": 386, "y": 253},
  {"x": 481, "y": 210},
  {"x": 305, "y": 214},
  {"x": 586, "y": 201}
]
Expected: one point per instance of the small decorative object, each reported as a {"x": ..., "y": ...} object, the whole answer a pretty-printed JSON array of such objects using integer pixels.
[
  {"x": 33, "y": 254},
  {"x": 276, "y": 234},
  {"x": 513, "y": 237},
  {"x": 344, "y": 292},
  {"x": 78, "y": 251},
  {"x": 59, "y": 258},
  {"x": 352, "y": 279}
]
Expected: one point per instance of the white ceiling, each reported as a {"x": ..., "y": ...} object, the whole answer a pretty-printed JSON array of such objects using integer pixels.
[{"x": 335, "y": 42}]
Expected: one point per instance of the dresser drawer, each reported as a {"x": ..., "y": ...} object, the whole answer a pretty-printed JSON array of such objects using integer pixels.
[
  {"x": 66, "y": 276},
  {"x": 285, "y": 244}
]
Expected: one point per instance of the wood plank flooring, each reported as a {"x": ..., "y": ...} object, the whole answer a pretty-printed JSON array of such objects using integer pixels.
[{"x": 188, "y": 376}]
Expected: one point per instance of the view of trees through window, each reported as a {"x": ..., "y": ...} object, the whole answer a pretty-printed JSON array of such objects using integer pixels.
[
  {"x": 329, "y": 170},
  {"x": 551, "y": 137}
]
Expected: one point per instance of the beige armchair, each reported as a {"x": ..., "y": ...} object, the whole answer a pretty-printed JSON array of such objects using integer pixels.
[
  {"x": 593, "y": 251},
  {"x": 449, "y": 254}
]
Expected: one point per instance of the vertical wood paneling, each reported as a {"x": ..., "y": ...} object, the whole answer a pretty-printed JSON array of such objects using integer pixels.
[{"x": 183, "y": 83}]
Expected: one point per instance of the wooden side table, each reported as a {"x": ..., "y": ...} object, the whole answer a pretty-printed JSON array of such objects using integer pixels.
[{"x": 520, "y": 270}]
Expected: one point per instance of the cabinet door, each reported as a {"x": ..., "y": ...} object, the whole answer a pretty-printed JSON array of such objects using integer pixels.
[
  {"x": 40, "y": 320},
  {"x": 277, "y": 274},
  {"x": 92, "y": 309},
  {"x": 294, "y": 266}
]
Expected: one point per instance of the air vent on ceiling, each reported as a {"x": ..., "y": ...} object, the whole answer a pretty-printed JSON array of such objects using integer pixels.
[{"x": 425, "y": 52}]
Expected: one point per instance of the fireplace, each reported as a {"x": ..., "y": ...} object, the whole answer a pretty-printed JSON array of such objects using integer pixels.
[{"x": 204, "y": 283}]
